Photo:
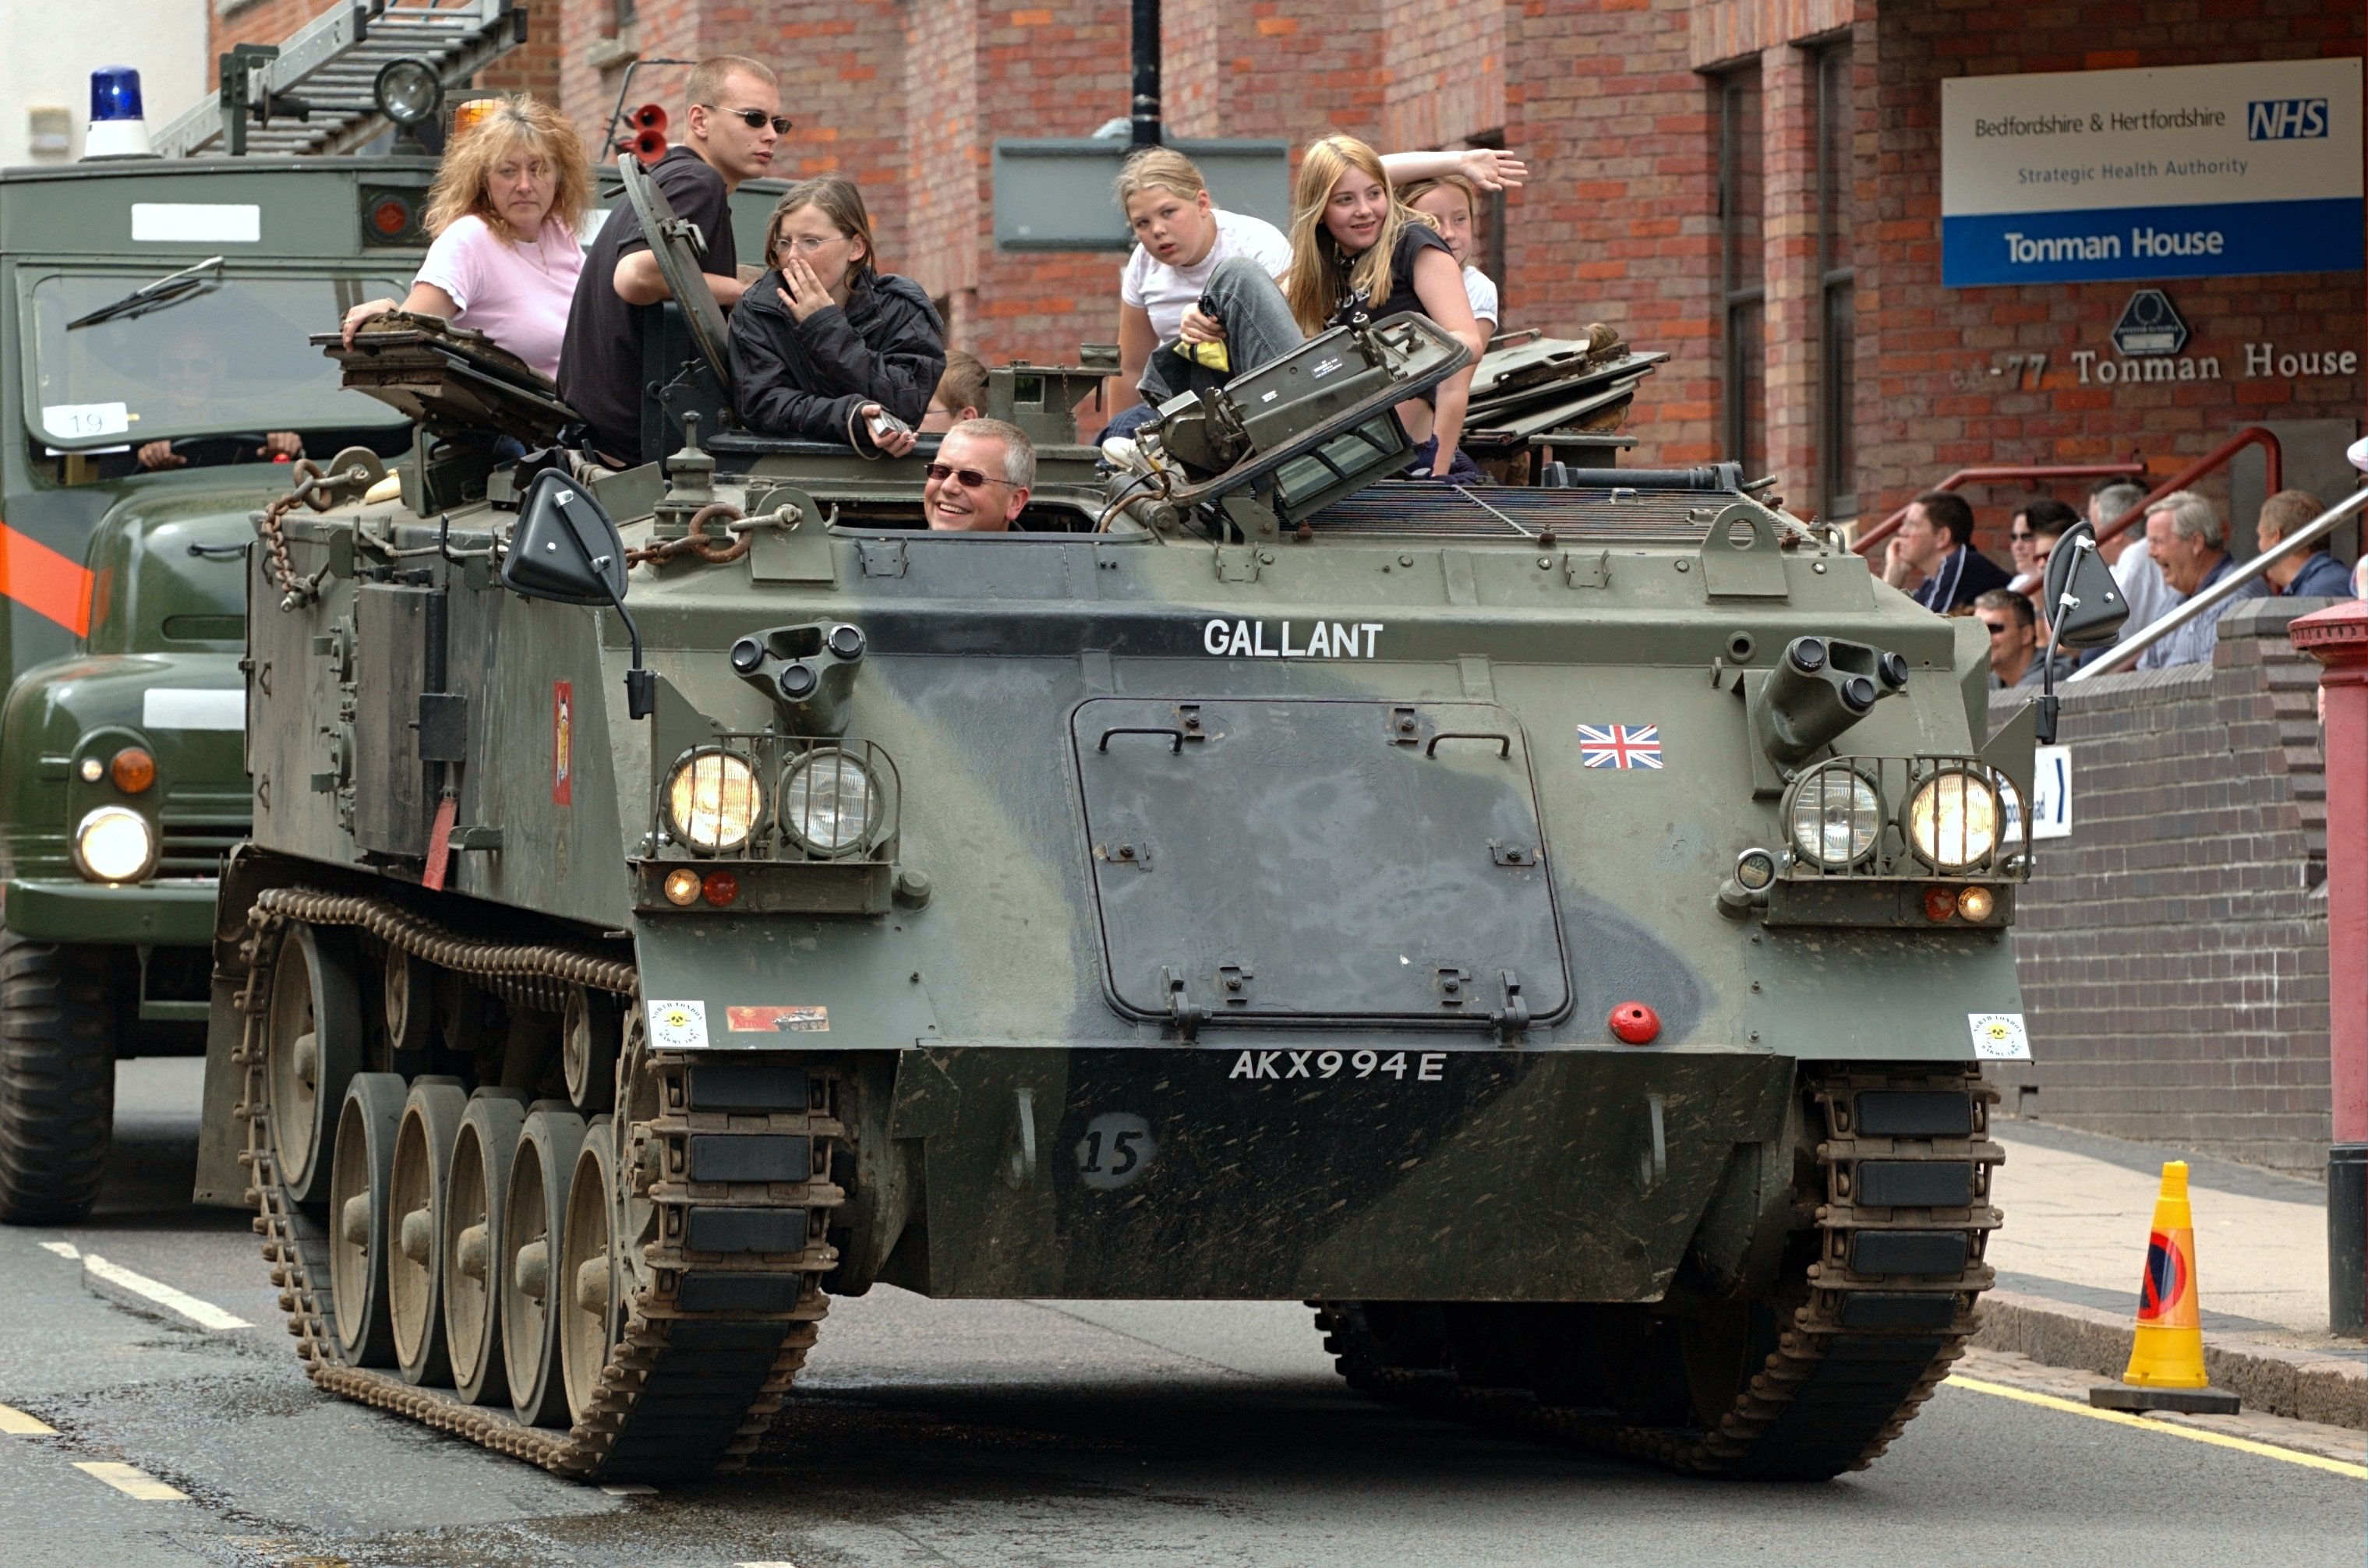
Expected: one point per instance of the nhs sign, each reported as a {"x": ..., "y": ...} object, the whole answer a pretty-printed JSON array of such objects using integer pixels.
[
  {"x": 2285, "y": 119},
  {"x": 2187, "y": 171}
]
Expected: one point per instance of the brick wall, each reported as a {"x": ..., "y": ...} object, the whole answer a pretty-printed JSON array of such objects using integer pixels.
[
  {"x": 2173, "y": 949},
  {"x": 1620, "y": 223}
]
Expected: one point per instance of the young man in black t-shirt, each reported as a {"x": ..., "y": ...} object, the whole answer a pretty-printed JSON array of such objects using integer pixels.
[{"x": 735, "y": 119}]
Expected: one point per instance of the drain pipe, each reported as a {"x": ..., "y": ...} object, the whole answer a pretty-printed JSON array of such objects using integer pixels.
[{"x": 1144, "y": 116}]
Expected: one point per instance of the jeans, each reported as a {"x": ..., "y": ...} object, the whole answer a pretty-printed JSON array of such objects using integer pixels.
[{"x": 1259, "y": 329}]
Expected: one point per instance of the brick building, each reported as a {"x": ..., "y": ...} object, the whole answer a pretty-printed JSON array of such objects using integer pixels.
[{"x": 1750, "y": 185}]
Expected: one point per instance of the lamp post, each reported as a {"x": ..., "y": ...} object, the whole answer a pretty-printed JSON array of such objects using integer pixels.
[{"x": 2338, "y": 637}]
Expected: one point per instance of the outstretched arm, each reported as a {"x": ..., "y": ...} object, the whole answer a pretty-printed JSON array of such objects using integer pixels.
[{"x": 1484, "y": 167}]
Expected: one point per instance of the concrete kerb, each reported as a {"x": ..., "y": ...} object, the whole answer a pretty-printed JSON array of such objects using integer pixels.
[{"x": 2277, "y": 1378}]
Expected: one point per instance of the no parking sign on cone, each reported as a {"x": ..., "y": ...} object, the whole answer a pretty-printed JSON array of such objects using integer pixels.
[{"x": 2166, "y": 1370}]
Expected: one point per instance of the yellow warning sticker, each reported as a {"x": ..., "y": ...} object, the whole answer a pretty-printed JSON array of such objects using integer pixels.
[
  {"x": 1999, "y": 1037},
  {"x": 678, "y": 1026}
]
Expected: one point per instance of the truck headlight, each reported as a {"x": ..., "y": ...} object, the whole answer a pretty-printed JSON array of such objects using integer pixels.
[
  {"x": 712, "y": 801},
  {"x": 1836, "y": 817},
  {"x": 1952, "y": 819},
  {"x": 113, "y": 843},
  {"x": 830, "y": 803}
]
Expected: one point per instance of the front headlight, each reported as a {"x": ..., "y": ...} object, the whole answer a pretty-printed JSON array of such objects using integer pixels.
[
  {"x": 1836, "y": 817},
  {"x": 712, "y": 801},
  {"x": 1952, "y": 819},
  {"x": 115, "y": 845},
  {"x": 830, "y": 802}
]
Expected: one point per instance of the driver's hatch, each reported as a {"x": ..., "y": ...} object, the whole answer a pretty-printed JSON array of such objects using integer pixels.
[{"x": 1313, "y": 862}]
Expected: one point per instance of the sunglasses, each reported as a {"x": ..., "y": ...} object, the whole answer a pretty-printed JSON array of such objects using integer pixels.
[
  {"x": 756, "y": 118},
  {"x": 968, "y": 478},
  {"x": 2019, "y": 535}
]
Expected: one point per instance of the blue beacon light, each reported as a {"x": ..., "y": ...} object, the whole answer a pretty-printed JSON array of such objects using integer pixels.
[{"x": 117, "y": 127}]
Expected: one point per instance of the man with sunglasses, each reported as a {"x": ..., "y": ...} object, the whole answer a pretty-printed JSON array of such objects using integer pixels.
[
  {"x": 734, "y": 121},
  {"x": 979, "y": 479}
]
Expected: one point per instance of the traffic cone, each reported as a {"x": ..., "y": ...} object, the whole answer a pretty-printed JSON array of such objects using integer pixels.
[{"x": 2166, "y": 1370}]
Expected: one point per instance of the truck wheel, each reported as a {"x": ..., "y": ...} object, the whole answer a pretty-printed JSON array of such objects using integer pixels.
[{"x": 57, "y": 1081}]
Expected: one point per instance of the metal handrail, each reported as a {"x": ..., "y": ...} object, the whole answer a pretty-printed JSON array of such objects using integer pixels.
[
  {"x": 2273, "y": 475},
  {"x": 2302, "y": 539},
  {"x": 1891, "y": 525}
]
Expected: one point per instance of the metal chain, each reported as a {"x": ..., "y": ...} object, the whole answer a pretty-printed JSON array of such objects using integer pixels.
[{"x": 270, "y": 523}]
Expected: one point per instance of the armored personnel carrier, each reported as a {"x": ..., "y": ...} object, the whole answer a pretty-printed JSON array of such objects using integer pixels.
[{"x": 1553, "y": 931}]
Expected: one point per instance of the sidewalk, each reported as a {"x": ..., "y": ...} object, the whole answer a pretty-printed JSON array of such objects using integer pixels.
[{"x": 2078, "y": 1207}]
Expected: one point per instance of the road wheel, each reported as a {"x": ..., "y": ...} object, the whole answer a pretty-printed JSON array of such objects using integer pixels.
[
  {"x": 57, "y": 1081},
  {"x": 591, "y": 1032},
  {"x": 362, "y": 1179},
  {"x": 475, "y": 1192},
  {"x": 533, "y": 1302},
  {"x": 314, "y": 1048},
  {"x": 415, "y": 1264},
  {"x": 588, "y": 1270}
]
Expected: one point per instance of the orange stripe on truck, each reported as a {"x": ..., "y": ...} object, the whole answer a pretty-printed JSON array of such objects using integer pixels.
[{"x": 44, "y": 582}]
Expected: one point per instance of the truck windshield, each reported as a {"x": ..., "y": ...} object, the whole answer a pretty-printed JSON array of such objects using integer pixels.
[{"x": 232, "y": 356}]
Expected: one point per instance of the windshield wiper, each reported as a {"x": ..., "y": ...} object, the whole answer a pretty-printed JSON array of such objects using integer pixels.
[{"x": 168, "y": 290}]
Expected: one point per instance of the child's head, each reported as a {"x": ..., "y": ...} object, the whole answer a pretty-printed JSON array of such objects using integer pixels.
[
  {"x": 1166, "y": 205},
  {"x": 1452, "y": 203},
  {"x": 960, "y": 394}
]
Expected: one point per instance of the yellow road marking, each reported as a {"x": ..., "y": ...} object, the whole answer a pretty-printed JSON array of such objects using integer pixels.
[
  {"x": 131, "y": 1481},
  {"x": 17, "y": 1424},
  {"x": 2167, "y": 1428}
]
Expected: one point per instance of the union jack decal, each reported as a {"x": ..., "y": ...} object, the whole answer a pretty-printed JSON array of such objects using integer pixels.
[{"x": 1620, "y": 745}]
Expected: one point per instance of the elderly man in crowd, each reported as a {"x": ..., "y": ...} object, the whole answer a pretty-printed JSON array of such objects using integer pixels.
[
  {"x": 2313, "y": 573},
  {"x": 2184, "y": 539},
  {"x": 980, "y": 480}
]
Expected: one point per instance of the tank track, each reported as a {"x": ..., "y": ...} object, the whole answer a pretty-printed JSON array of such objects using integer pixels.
[
  {"x": 688, "y": 1387},
  {"x": 1855, "y": 1358}
]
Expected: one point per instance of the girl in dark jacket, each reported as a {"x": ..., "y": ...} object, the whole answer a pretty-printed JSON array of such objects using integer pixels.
[{"x": 823, "y": 345}]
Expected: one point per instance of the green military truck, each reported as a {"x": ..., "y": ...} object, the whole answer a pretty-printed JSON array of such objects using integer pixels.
[{"x": 150, "y": 302}]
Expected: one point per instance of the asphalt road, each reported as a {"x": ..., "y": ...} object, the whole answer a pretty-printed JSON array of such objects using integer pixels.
[{"x": 1001, "y": 1433}]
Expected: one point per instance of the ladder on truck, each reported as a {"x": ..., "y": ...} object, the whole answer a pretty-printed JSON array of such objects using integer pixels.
[{"x": 317, "y": 94}]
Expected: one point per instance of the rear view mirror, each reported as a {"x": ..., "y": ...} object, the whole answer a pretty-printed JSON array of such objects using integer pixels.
[
  {"x": 565, "y": 547},
  {"x": 2083, "y": 603}
]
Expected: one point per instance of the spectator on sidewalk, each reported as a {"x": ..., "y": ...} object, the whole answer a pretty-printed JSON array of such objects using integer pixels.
[
  {"x": 2022, "y": 533},
  {"x": 2313, "y": 574},
  {"x": 2133, "y": 566},
  {"x": 1936, "y": 543},
  {"x": 2184, "y": 537},
  {"x": 2016, "y": 642}
]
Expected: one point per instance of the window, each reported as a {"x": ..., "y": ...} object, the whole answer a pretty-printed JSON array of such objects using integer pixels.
[
  {"x": 1741, "y": 209},
  {"x": 1837, "y": 359}
]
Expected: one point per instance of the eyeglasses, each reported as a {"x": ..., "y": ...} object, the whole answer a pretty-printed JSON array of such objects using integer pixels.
[
  {"x": 756, "y": 118},
  {"x": 2019, "y": 535},
  {"x": 968, "y": 478},
  {"x": 1998, "y": 628}
]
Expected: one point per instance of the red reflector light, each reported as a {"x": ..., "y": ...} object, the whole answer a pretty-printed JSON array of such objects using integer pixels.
[
  {"x": 1939, "y": 903},
  {"x": 720, "y": 888},
  {"x": 1635, "y": 1024},
  {"x": 390, "y": 217}
]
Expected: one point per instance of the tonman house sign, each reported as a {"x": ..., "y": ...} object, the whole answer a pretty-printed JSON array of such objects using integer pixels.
[{"x": 2202, "y": 171}]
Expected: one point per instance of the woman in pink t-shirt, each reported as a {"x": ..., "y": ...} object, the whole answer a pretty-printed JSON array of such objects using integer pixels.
[{"x": 505, "y": 209}]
